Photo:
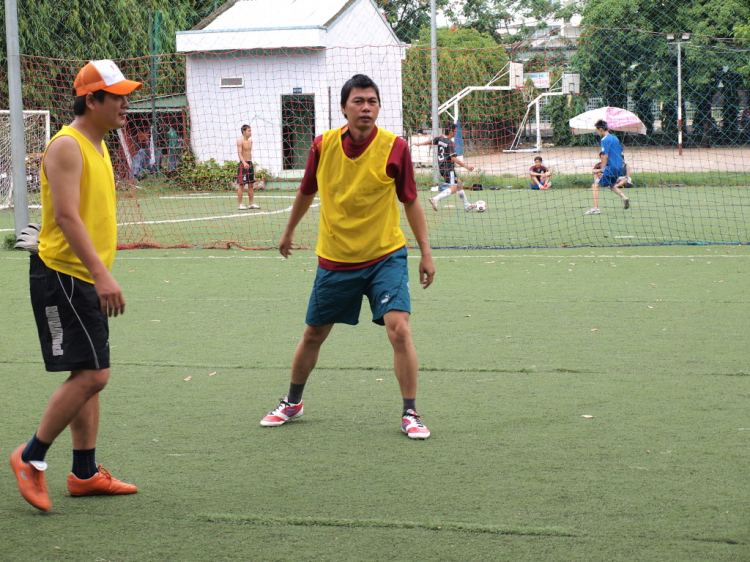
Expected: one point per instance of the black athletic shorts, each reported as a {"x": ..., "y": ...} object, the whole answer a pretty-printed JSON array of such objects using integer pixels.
[
  {"x": 73, "y": 331},
  {"x": 449, "y": 174},
  {"x": 246, "y": 174}
]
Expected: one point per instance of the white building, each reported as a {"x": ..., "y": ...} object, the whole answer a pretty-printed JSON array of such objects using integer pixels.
[{"x": 279, "y": 65}]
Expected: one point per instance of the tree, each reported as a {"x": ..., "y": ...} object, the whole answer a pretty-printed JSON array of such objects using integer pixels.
[
  {"x": 55, "y": 37},
  {"x": 408, "y": 17},
  {"x": 624, "y": 49},
  {"x": 466, "y": 57},
  {"x": 494, "y": 17}
]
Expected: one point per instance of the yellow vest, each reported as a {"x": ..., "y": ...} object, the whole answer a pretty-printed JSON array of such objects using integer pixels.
[
  {"x": 97, "y": 209},
  {"x": 359, "y": 214}
]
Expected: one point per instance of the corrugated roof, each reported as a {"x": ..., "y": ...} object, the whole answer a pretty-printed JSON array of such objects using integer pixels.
[
  {"x": 264, "y": 14},
  {"x": 174, "y": 102}
]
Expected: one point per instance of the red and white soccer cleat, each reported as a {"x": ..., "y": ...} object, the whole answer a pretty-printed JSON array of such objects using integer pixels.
[
  {"x": 282, "y": 414},
  {"x": 413, "y": 426}
]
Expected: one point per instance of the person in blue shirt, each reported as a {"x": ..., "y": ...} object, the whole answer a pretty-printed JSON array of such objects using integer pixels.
[{"x": 612, "y": 168}]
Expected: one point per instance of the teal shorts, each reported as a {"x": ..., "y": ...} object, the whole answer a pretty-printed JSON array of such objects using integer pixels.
[{"x": 337, "y": 295}]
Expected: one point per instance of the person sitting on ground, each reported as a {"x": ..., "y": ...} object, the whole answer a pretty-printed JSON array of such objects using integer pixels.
[
  {"x": 540, "y": 175},
  {"x": 624, "y": 180}
]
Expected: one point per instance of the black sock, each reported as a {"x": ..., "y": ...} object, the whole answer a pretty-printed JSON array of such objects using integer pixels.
[
  {"x": 410, "y": 404},
  {"x": 35, "y": 450},
  {"x": 84, "y": 463},
  {"x": 295, "y": 393}
]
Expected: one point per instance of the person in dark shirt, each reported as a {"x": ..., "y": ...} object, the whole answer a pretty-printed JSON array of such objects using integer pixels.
[
  {"x": 447, "y": 160},
  {"x": 540, "y": 175}
]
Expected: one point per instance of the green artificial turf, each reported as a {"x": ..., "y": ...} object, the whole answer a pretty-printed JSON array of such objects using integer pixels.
[
  {"x": 514, "y": 346},
  {"x": 675, "y": 214}
]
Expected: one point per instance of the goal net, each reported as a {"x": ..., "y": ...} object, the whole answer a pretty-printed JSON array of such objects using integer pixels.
[
  {"x": 176, "y": 161},
  {"x": 36, "y": 126}
]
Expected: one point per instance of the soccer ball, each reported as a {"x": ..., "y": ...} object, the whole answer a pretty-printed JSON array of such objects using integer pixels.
[{"x": 481, "y": 206}]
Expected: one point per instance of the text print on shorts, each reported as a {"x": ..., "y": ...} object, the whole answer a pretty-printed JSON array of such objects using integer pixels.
[
  {"x": 83, "y": 326},
  {"x": 55, "y": 329}
]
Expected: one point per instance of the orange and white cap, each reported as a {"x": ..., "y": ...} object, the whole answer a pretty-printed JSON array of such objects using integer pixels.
[{"x": 103, "y": 75}]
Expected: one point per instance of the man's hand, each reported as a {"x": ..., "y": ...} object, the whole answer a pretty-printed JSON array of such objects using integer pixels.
[
  {"x": 111, "y": 300},
  {"x": 426, "y": 271},
  {"x": 285, "y": 245}
]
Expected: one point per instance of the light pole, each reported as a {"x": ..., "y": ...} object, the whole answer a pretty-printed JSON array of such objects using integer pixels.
[{"x": 680, "y": 38}]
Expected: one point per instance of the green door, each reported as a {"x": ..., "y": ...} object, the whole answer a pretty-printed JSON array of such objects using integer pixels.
[{"x": 297, "y": 129}]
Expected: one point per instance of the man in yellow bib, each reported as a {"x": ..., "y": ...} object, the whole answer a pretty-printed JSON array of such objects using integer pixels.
[
  {"x": 360, "y": 172},
  {"x": 72, "y": 290}
]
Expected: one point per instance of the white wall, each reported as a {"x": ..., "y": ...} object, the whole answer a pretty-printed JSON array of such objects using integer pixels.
[
  {"x": 216, "y": 114},
  {"x": 360, "y": 42}
]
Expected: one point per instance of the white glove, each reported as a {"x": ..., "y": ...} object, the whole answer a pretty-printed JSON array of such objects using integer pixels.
[{"x": 29, "y": 238}]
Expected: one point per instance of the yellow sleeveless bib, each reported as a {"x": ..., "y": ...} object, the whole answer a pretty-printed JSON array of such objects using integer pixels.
[
  {"x": 97, "y": 209},
  {"x": 359, "y": 214}
]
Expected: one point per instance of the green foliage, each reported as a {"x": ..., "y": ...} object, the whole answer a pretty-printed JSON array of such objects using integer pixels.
[
  {"x": 261, "y": 173},
  {"x": 494, "y": 16},
  {"x": 63, "y": 29},
  {"x": 205, "y": 176},
  {"x": 408, "y": 17},
  {"x": 55, "y": 37},
  {"x": 616, "y": 57},
  {"x": 210, "y": 175},
  {"x": 9, "y": 242},
  {"x": 466, "y": 57},
  {"x": 562, "y": 109}
]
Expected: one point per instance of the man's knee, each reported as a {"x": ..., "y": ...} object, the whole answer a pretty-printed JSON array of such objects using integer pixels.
[
  {"x": 315, "y": 335},
  {"x": 398, "y": 327},
  {"x": 91, "y": 380}
]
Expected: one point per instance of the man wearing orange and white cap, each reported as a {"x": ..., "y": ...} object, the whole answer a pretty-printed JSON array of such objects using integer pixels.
[{"x": 72, "y": 290}]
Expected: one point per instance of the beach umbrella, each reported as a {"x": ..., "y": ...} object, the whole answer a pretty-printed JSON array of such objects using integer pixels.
[{"x": 617, "y": 120}]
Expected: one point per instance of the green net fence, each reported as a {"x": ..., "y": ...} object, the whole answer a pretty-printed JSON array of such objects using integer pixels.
[{"x": 670, "y": 78}]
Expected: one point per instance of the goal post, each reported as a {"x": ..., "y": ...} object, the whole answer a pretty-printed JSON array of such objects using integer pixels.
[
  {"x": 569, "y": 84},
  {"x": 514, "y": 73},
  {"x": 36, "y": 126}
]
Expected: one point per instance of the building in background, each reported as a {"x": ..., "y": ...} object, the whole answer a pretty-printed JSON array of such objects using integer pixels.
[{"x": 279, "y": 65}]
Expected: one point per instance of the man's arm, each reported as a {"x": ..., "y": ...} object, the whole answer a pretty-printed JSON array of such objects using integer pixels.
[
  {"x": 300, "y": 206},
  {"x": 63, "y": 167},
  {"x": 415, "y": 216},
  {"x": 456, "y": 160},
  {"x": 303, "y": 200}
]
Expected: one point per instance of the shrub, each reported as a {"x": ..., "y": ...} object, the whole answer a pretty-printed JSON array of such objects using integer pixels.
[{"x": 9, "y": 242}]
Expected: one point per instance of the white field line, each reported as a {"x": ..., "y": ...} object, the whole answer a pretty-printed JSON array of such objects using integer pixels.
[
  {"x": 232, "y": 216},
  {"x": 219, "y": 217}
]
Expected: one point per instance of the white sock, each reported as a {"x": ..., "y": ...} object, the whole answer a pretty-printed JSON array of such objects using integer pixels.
[
  {"x": 443, "y": 194},
  {"x": 462, "y": 196}
]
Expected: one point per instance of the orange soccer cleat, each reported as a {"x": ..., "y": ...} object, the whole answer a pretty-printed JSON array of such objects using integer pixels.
[
  {"x": 100, "y": 484},
  {"x": 30, "y": 479}
]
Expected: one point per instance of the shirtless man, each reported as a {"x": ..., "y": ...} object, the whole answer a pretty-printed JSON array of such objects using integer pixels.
[{"x": 245, "y": 172}]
